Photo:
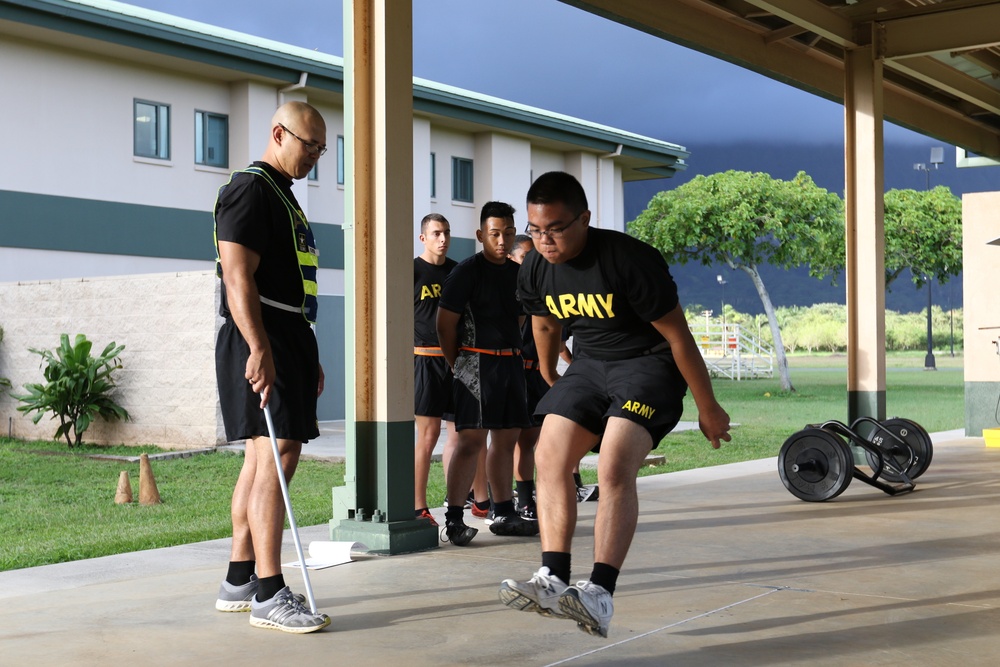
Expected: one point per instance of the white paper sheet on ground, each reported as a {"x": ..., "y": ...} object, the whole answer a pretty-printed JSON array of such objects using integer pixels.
[{"x": 327, "y": 554}]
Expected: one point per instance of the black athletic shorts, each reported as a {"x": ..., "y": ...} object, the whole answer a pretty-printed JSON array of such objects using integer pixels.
[
  {"x": 489, "y": 392},
  {"x": 432, "y": 393},
  {"x": 293, "y": 396},
  {"x": 537, "y": 387},
  {"x": 648, "y": 390}
]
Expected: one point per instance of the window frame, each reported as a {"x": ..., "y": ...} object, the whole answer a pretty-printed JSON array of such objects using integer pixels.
[
  {"x": 201, "y": 117},
  {"x": 161, "y": 130},
  {"x": 462, "y": 180}
]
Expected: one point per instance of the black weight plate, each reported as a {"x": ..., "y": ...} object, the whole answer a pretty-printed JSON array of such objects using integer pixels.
[
  {"x": 815, "y": 465},
  {"x": 914, "y": 435}
]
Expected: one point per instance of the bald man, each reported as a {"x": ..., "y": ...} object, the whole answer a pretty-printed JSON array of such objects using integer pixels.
[{"x": 266, "y": 354}]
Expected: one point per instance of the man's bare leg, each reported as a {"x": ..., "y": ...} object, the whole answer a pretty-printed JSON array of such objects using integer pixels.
[
  {"x": 561, "y": 445},
  {"x": 428, "y": 432},
  {"x": 623, "y": 450}
]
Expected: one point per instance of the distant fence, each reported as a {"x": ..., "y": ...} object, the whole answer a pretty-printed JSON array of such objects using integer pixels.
[{"x": 733, "y": 352}]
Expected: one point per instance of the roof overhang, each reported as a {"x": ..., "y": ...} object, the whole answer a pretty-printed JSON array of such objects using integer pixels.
[{"x": 941, "y": 57}]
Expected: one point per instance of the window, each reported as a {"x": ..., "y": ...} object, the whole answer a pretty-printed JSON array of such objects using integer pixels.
[
  {"x": 211, "y": 139},
  {"x": 314, "y": 173},
  {"x": 340, "y": 160},
  {"x": 151, "y": 131},
  {"x": 461, "y": 179},
  {"x": 434, "y": 182}
]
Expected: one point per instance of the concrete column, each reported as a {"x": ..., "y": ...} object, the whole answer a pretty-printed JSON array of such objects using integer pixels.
[
  {"x": 865, "y": 266},
  {"x": 376, "y": 505}
]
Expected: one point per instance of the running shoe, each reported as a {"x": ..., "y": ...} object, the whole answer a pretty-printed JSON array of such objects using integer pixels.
[
  {"x": 458, "y": 533},
  {"x": 539, "y": 594},
  {"x": 512, "y": 525},
  {"x": 236, "y": 598},
  {"x": 589, "y": 605},
  {"x": 284, "y": 612},
  {"x": 587, "y": 494},
  {"x": 529, "y": 512},
  {"x": 426, "y": 514}
]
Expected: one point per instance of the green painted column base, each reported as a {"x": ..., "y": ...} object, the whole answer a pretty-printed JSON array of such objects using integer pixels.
[
  {"x": 387, "y": 539},
  {"x": 864, "y": 404}
]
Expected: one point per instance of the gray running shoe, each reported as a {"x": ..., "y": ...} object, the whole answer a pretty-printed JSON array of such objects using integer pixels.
[
  {"x": 284, "y": 612},
  {"x": 539, "y": 594},
  {"x": 237, "y": 598},
  {"x": 589, "y": 605}
]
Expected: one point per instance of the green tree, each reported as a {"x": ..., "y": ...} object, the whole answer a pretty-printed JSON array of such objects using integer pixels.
[
  {"x": 745, "y": 220},
  {"x": 923, "y": 233}
]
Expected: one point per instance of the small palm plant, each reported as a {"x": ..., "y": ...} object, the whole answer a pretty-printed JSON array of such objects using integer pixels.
[{"x": 76, "y": 388}]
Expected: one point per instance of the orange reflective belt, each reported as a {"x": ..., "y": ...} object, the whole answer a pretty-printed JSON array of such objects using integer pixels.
[
  {"x": 530, "y": 364},
  {"x": 428, "y": 351},
  {"x": 506, "y": 352}
]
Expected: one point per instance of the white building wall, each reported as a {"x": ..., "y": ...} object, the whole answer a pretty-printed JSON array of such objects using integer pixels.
[
  {"x": 464, "y": 217},
  {"x": 502, "y": 170}
]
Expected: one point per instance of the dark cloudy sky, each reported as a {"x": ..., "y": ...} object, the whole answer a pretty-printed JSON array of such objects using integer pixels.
[{"x": 556, "y": 57}]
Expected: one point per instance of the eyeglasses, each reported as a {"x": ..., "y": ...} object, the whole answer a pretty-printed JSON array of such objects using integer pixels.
[
  {"x": 312, "y": 147},
  {"x": 551, "y": 232}
]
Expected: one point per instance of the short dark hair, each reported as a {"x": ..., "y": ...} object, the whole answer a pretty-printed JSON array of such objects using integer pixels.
[
  {"x": 558, "y": 187},
  {"x": 522, "y": 238},
  {"x": 432, "y": 217},
  {"x": 496, "y": 209}
]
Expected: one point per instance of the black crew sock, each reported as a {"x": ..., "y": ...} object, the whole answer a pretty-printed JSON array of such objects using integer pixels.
[
  {"x": 421, "y": 511},
  {"x": 454, "y": 514},
  {"x": 240, "y": 572},
  {"x": 525, "y": 492},
  {"x": 504, "y": 508},
  {"x": 558, "y": 563},
  {"x": 482, "y": 504},
  {"x": 577, "y": 479},
  {"x": 269, "y": 587},
  {"x": 606, "y": 576}
]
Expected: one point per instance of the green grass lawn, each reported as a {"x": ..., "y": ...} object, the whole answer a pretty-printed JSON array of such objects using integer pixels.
[{"x": 58, "y": 506}]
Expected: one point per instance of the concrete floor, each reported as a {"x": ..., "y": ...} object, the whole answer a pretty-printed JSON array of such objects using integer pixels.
[{"x": 727, "y": 568}]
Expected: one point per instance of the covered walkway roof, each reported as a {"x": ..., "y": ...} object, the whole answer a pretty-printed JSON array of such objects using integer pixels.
[{"x": 941, "y": 58}]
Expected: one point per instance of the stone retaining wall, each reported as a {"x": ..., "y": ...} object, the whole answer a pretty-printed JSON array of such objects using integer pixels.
[{"x": 167, "y": 323}]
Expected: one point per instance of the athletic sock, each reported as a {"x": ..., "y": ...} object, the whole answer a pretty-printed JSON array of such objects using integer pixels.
[
  {"x": 606, "y": 576},
  {"x": 525, "y": 492},
  {"x": 420, "y": 511},
  {"x": 504, "y": 508},
  {"x": 454, "y": 514},
  {"x": 269, "y": 587},
  {"x": 558, "y": 563},
  {"x": 577, "y": 479},
  {"x": 240, "y": 572},
  {"x": 482, "y": 505}
]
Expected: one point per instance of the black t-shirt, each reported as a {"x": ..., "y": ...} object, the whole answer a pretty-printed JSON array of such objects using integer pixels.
[
  {"x": 485, "y": 294},
  {"x": 249, "y": 212},
  {"x": 428, "y": 280},
  {"x": 608, "y": 294}
]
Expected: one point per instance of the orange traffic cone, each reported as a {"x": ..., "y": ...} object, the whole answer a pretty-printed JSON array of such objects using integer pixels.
[
  {"x": 123, "y": 495},
  {"x": 148, "y": 493}
]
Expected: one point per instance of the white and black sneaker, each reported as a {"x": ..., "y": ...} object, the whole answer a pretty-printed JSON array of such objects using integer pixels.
[
  {"x": 589, "y": 605},
  {"x": 539, "y": 594}
]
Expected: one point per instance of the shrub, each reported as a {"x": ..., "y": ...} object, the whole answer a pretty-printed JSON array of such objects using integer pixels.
[{"x": 76, "y": 388}]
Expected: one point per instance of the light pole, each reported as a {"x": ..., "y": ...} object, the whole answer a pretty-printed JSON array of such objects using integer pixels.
[
  {"x": 722, "y": 281},
  {"x": 937, "y": 157}
]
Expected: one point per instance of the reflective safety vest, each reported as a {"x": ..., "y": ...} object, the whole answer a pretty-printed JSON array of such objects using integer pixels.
[{"x": 305, "y": 250}]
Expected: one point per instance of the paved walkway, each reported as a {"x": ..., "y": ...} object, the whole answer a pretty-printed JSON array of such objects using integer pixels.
[{"x": 727, "y": 568}]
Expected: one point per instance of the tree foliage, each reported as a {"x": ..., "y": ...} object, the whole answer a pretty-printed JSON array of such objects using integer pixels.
[
  {"x": 76, "y": 388},
  {"x": 923, "y": 233},
  {"x": 744, "y": 220}
]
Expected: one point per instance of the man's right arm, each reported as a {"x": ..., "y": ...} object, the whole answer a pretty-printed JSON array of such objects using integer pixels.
[
  {"x": 447, "y": 331},
  {"x": 548, "y": 340},
  {"x": 238, "y": 266}
]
